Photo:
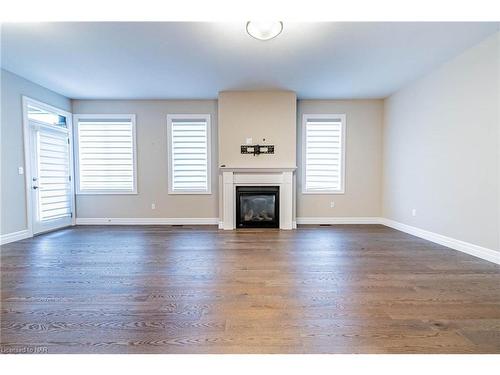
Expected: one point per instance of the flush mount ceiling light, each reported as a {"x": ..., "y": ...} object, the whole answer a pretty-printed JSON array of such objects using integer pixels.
[{"x": 264, "y": 30}]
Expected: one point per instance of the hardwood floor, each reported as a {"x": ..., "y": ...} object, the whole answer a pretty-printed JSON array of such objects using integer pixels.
[{"x": 159, "y": 289}]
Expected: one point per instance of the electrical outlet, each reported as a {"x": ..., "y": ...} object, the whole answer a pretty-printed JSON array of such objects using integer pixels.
[
  {"x": 153, "y": 206},
  {"x": 332, "y": 204},
  {"x": 20, "y": 170},
  {"x": 414, "y": 212},
  {"x": 249, "y": 141}
]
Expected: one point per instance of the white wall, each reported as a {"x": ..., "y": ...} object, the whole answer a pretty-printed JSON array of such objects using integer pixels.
[
  {"x": 13, "y": 190},
  {"x": 363, "y": 184},
  {"x": 151, "y": 130},
  {"x": 441, "y": 149}
]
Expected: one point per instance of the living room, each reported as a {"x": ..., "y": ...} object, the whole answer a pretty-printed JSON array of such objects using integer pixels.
[{"x": 251, "y": 187}]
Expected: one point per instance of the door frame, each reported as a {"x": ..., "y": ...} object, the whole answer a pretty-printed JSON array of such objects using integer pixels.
[{"x": 27, "y": 157}]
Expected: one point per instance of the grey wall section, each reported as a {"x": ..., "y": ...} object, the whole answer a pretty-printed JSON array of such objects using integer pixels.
[
  {"x": 362, "y": 197},
  {"x": 13, "y": 189},
  {"x": 151, "y": 130},
  {"x": 441, "y": 149}
]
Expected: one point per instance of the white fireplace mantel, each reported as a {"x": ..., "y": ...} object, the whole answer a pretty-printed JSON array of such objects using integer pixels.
[
  {"x": 257, "y": 170},
  {"x": 233, "y": 177}
]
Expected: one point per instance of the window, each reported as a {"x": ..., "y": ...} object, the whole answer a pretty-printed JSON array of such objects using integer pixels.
[
  {"x": 188, "y": 154},
  {"x": 43, "y": 114},
  {"x": 106, "y": 154},
  {"x": 323, "y": 155}
]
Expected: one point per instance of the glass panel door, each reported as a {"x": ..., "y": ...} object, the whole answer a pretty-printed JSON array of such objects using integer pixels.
[{"x": 51, "y": 161}]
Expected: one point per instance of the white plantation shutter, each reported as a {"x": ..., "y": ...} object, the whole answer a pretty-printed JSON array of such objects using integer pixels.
[
  {"x": 106, "y": 154},
  {"x": 189, "y": 153},
  {"x": 324, "y": 138},
  {"x": 53, "y": 175}
]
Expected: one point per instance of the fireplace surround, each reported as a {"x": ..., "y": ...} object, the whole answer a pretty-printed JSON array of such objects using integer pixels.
[{"x": 233, "y": 178}]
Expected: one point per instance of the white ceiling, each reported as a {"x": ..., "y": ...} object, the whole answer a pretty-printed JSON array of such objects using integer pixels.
[{"x": 197, "y": 60}]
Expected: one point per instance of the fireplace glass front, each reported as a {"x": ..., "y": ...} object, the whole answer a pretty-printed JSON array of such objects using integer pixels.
[{"x": 257, "y": 206}]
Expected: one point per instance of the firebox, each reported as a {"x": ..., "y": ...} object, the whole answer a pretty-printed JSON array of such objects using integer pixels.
[{"x": 257, "y": 206}]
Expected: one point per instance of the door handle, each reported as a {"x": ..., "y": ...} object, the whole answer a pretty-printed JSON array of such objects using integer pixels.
[{"x": 35, "y": 187}]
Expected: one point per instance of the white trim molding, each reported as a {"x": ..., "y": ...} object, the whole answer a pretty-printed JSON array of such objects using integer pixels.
[
  {"x": 147, "y": 221},
  {"x": 337, "y": 220},
  {"x": 465, "y": 247},
  {"x": 14, "y": 236},
  {"x": 452, "y": 243}
]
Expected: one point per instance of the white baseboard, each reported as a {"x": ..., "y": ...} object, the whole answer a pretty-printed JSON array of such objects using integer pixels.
[
  {"x": 147, "y": 221},
  {"x": 465, "y": 247},
  {"x": 338, "y": 220},
  {"x": 14, "y": 236}
]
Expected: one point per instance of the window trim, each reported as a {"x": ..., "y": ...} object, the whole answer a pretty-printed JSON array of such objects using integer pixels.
[
  {"x": 342, "y": 118},
  {"x": 191, "y": 116},
  {"x": 76, "y": 118}
]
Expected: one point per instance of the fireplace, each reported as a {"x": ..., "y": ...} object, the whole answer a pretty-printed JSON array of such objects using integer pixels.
[
  {"x": 278, "y": 179},
  {"x": 257, "y": 206}
]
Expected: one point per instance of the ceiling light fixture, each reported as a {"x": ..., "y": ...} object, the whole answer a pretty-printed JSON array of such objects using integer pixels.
[{"x": 264, "y": 30}]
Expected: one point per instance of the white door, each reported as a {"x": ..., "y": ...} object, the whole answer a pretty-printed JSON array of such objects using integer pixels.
[{"x": 51, "y": 167}]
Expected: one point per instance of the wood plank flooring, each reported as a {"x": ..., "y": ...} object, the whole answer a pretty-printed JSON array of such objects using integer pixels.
[{"x": 161, "y": 289}]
